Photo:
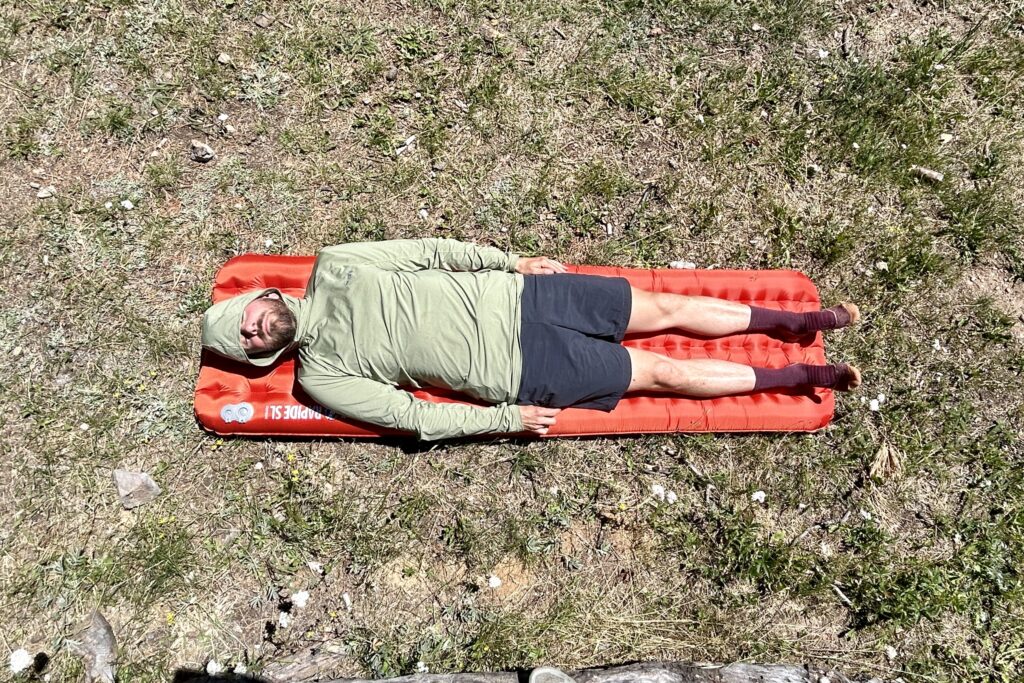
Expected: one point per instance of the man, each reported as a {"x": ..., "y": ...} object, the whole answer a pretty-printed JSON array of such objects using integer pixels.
[{"x": 520, "y": 334}]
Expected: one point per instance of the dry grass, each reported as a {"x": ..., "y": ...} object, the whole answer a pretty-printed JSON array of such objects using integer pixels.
[{"x": 633, "y": 132}]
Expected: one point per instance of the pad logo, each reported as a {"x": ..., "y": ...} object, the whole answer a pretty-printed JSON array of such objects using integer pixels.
[{"x": 237, "y": 412}]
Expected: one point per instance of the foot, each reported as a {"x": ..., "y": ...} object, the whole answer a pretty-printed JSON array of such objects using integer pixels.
[
  {"x": 846, "y": 314},
  {"x": 847, "y": 377}
]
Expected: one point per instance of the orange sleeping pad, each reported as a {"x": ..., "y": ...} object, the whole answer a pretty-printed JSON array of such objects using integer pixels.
[{"x": 233, "y": 398}]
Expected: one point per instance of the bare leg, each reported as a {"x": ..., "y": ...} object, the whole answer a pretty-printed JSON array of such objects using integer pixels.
[
  {"x": 700, "y": 378},
  {"x": 704, "y": 315}
]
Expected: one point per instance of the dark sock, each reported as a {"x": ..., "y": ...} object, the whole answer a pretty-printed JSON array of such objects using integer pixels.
[
  {"x": 796, "y": 375},
  {"x": 770, "y": 320}
]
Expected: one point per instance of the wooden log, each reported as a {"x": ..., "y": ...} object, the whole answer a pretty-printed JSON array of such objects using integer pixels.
[{"x": 646, "y": 672}]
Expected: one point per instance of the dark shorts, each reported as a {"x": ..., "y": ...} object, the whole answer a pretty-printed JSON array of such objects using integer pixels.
[{"x": 571, "y": 329}]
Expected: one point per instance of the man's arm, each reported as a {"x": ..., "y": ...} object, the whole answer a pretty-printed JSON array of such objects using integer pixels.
[
  {"x": 383, "y": 405},
  {"x": 423, "y": 254}
]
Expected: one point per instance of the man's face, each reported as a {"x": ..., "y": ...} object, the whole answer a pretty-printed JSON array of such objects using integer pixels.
[{"x": 258, "y": 318}]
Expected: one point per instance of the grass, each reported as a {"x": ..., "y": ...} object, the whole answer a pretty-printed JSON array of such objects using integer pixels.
[{"x": 748, "y": 135}]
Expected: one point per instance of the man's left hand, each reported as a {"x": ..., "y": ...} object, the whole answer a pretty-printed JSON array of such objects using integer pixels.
[{"x": 539, "y": 265}]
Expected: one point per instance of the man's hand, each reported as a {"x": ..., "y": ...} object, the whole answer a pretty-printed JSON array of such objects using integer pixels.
[
  {"x": 537, "y": 419},
  {"x": 538, "y": 265}
]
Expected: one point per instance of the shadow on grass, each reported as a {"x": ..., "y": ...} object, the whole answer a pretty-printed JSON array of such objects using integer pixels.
[{"x": 192, "y": 676}]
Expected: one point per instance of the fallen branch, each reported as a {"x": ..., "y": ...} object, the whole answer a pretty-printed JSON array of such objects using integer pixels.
[{"x": 647, "y": 672}]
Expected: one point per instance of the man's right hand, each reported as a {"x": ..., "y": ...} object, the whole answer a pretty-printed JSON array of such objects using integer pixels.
[{"x": 537, "y": 419}]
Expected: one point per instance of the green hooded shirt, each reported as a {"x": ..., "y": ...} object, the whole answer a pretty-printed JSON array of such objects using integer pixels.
[{"x": 378, "y": 316}]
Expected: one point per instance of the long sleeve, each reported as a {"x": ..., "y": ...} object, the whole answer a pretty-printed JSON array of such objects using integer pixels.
[
  {"x": 383, "y": 405},
  {"x": 422, "y": 254}
]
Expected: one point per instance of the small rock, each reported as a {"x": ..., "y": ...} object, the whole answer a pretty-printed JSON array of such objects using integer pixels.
[
  {"x": 213, "y": 667},
  {"x": 865, "y": 515},
  {"x": 421, "y": 668},
  {"x": 682, "y": 265},
  {"x": 758, "y": 497},
  {"x": 96, "y": 645},
  {"x": 39, "y": 172},
  {"x": 284, "y": 620},
  {"x": 315, "y": 567},
  {"x": 406, "y": 146},
  {"x": 46, "y": 192},
  {"x": 658, "y": 121},
  {"x": 263, "y": 20},
  {"x": 391, "y": 74},
  {"x": 346, "y": 599},
  {"x": 439, "y": 166},
  {"x": 222, "y": 117},
  {"x": 656, "y": 31},
  {"x": 490, "y": 34},
  {"x": 201, "y": 152},
  {"x": 813, "y": 170},
  {"x": 135, "y": 488},
  {"x": 224, "y": 58},
  {"x": 927, "y": 173},
  {"x": 755, "y": 27},
  {"x": 35, "y": 186},
  {"x": 21, "y": 659},
  {"x": 229, "y": 129},
  {"x": 127, "y": 205},
  {"x": 300, "y": 599},
  {"x": 945, "y": 137},
  {"x": 882, "y": 266},
  {"x": 424, "y": 214}
]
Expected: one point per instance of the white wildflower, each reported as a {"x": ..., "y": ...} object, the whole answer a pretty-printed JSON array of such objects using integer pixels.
[
  {"x": 315, "y": 567},
  {"x": 20, "y": 660},
  {"x": 240, "y": 669},
  {"x": 758, "y": 497},
  {"x": 873, "y": 405},
  {"x": 936, "y": 344},
  {"x": 671, "y": 497},
  {"x": 127, "y": 204},
  {"x": 213, "y": 668},
  {"x": 84, "y": 426},
  {"x": 493, "y": 582},
  {"x": 865, "y": 515},
  {"x": 284, "y": 620},
  {"x": 258, "y": 466},
  {"x": 822, "y": 53},
  {"x": 891, "y": 653},
  {"x": 300, "y": 599},
  {"x": 268, "y": 243},
  {"x": 882, "y": 265},
  {"x": 222, "y": 117},
  {"x": 658, "y": 491},
  {"x": 881, "y": 398},
  {"x": 421, "y": 668}
]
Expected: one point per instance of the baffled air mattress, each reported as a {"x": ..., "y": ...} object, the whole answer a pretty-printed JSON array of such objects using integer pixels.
[{"x": 233, "y": 398}]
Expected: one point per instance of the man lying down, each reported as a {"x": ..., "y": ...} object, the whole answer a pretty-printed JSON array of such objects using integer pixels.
[{"x": 520, "y": 334}]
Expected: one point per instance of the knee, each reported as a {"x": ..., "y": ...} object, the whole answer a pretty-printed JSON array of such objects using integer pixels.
[{"x": 665, "y": 374}]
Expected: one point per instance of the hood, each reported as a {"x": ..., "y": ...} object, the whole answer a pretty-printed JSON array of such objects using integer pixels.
[{"x": 222, "y": 323}]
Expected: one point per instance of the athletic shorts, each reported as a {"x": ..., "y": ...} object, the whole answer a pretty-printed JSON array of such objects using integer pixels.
[{"x": 571, "y": 329}]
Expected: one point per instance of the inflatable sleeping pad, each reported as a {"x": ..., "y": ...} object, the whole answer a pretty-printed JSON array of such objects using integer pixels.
[{"x": 233, "y": 398}]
